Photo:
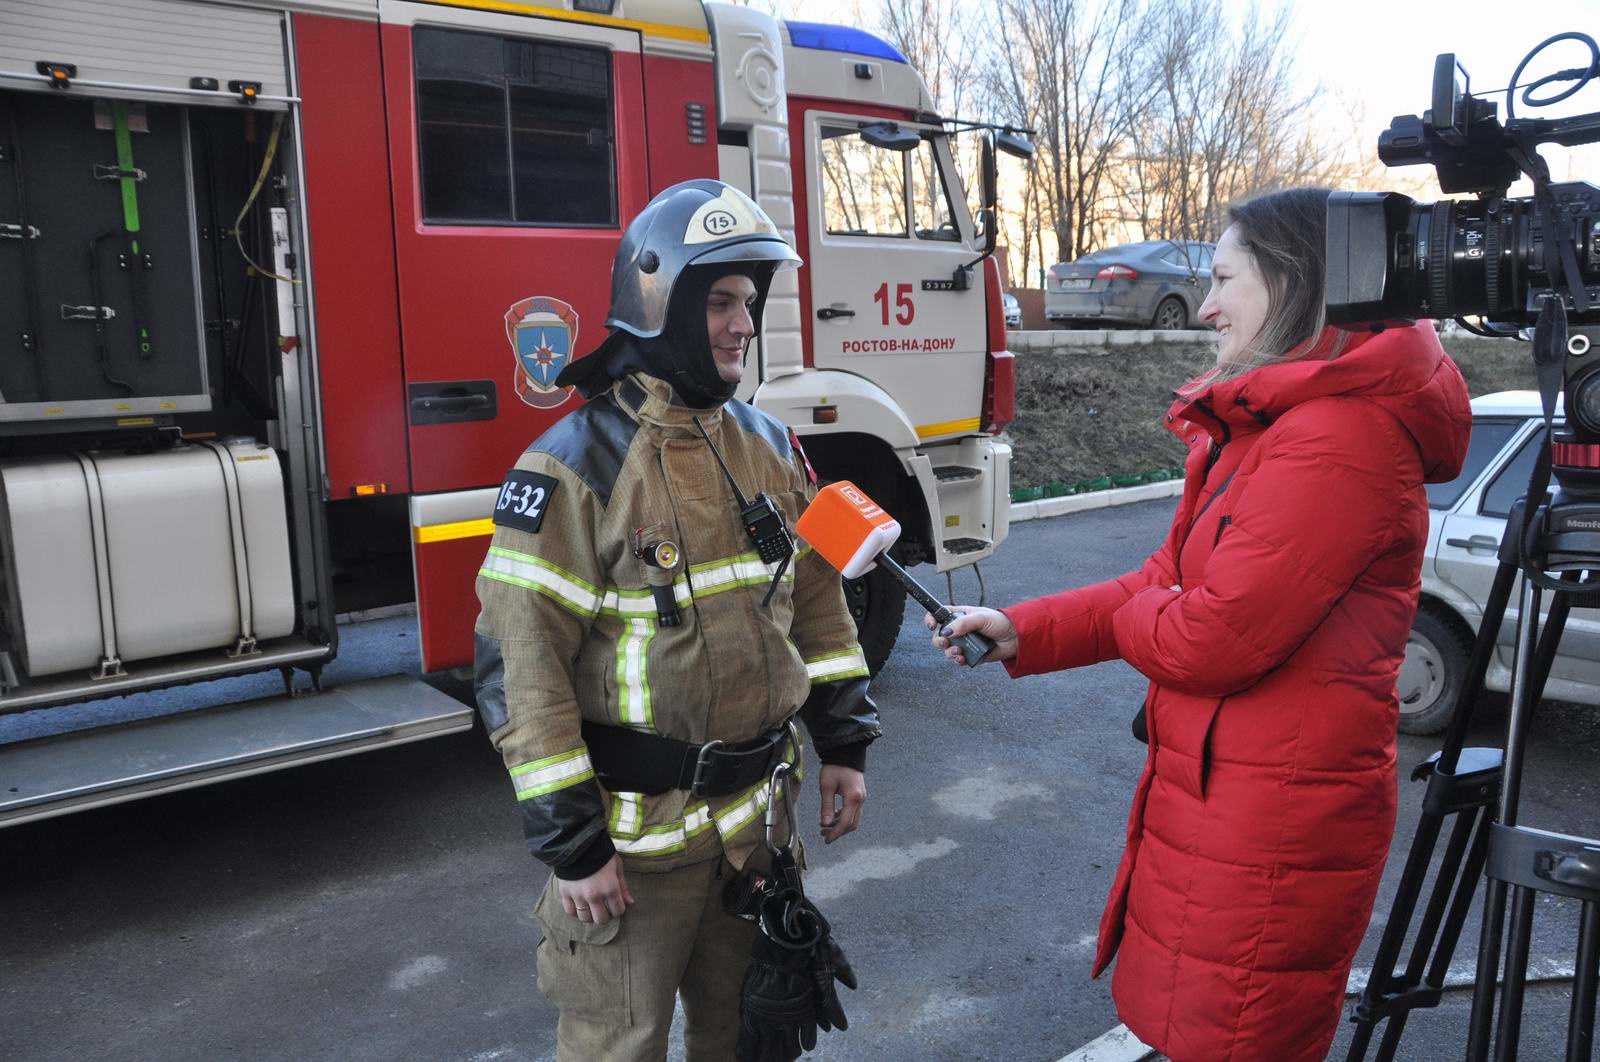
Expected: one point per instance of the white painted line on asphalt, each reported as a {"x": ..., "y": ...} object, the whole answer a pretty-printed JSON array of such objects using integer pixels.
[
  {"x": 1464, "y": 975},
  {"x": 1118, "y": 1045}
]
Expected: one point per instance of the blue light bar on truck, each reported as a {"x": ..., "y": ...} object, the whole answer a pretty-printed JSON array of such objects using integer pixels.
[{"x": 823, "y": 37}]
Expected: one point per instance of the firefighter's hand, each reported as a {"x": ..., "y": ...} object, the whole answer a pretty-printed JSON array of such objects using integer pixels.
[
  {"x": 844, "y": 794},
  {"x": 990, "y": 623},
  {"x": 598, "y": 898}
]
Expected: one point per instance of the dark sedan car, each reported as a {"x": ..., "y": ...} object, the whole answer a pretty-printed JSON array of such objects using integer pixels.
[{"x": 1156, "y": 284}]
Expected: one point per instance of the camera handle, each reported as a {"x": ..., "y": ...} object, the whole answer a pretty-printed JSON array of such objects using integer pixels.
[{"x": 1481, "y": 788}]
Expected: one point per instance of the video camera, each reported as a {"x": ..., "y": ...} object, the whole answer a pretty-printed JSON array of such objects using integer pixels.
[
  {"x": 1511, "y": 262},
  {"x": 1496, "y": 257}
]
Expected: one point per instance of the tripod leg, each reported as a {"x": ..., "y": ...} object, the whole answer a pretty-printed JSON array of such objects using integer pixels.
[
  {"x": 1423, "y": 947},
  {"x": 1450, "y": 877},
  {"x": 1580, "y": 1026},
  {"x": 1394, "y": 935},
  {"x": 1516, "y": 986},
  {"x": 1450, "y": 872},
  {"x": 1362, "y": 1038},
  {"x": 1494, "y": 899},
  {"x": 1461, "y": 905},
  {"x": 1384, "y": 979},
  {"x": 1494, "y": 923},
  {"x": 1483, "y": 647}
]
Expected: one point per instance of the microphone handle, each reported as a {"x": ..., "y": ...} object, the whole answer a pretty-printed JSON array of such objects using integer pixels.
[{"x": 974, "y": 646}]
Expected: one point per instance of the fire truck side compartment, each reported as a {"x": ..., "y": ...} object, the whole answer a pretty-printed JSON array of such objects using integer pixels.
[{"x": 112, "y": 307}]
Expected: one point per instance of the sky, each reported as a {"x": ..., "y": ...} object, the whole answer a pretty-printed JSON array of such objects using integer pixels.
[
  {"x": 1375, "y": 57},
  {"x": 1378, "y": 55}
]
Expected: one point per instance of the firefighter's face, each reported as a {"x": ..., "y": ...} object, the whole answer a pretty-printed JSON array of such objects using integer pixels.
[{"x": 728, "y": 323}]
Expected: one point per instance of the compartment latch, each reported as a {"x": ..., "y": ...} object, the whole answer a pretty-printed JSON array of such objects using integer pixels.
[{"x": 87, "y": 313}]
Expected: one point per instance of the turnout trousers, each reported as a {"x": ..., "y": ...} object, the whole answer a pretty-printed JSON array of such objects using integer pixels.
[{"x": 615, "y": 984}]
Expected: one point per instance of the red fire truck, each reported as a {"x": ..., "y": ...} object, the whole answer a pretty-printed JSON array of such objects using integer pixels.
[{"x": 285, "y": 286}]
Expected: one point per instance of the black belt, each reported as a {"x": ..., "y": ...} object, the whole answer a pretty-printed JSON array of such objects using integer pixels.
[{"x": 632, "y": 761}]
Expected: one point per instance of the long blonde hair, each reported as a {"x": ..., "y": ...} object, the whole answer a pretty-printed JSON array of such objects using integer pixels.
[{"x": 1285, "y": 234}]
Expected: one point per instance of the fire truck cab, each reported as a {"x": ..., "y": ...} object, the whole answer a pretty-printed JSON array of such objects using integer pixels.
[{"x": 285, "y": 286}]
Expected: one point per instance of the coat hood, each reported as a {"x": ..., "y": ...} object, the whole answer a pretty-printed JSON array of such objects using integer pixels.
[{"x": 1403, "y": 370}]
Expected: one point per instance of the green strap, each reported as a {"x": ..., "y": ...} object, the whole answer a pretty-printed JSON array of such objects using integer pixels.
[
  {"x": 130, "y": 195},
  {"x": 130, "y": 217}
]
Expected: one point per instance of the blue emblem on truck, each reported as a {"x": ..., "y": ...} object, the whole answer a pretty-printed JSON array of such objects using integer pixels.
[{"x": 544, "y": 349}]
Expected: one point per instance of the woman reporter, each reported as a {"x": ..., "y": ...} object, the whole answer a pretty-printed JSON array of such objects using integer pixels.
[{"x": 1271, "y": 623}]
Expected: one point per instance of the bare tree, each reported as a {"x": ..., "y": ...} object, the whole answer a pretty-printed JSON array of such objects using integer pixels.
[
  {"x": 934, "y": 36},
  {"x": 1068, "y": 73},
  {"x": 1227, "y": 120}
]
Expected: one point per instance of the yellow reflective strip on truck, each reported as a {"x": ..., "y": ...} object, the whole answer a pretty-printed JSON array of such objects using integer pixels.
[
  {"x": 949, "y": 427},
  {"x": 649, "y": 29},
  {"x": 446, "y": 532}
]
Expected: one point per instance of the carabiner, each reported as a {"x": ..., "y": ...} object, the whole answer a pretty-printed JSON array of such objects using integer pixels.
[{"x": 774, "y": 794}]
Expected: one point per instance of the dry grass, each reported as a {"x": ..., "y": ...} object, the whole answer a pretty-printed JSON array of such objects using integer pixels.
[{"x": 1084, "y": 412}]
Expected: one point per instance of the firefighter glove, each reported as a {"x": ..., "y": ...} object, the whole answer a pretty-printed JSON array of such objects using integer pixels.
[
  {"x": 778, "y": 1007},
  {"x": 777, "y": 1010},
  {"x": 827, "y": 965}
]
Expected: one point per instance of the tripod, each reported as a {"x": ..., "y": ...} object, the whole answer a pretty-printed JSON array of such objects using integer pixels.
[{"x": 1553, "y": 546}]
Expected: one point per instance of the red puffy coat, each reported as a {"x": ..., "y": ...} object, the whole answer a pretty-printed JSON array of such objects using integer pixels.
[{"x": 1271, "y": 624}]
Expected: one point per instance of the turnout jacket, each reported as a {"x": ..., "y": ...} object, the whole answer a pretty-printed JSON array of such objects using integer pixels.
[{"x": 568, "y": 629}]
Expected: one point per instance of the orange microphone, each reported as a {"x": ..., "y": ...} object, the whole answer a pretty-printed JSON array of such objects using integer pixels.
[{"x": 853, "y": 533}]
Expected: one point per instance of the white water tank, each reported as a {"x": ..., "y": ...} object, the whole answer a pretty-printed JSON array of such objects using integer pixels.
[{"x": 111, "y": 558}]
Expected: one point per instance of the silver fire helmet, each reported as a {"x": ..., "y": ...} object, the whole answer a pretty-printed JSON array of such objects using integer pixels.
[{"x": 697, "y": 222}]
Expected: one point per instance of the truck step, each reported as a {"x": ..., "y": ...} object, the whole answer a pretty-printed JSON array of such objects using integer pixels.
[
  {"x": 955, "y": 473},
  {"x": 108, "y": 765},
  {"x": 965, "y": 545}
]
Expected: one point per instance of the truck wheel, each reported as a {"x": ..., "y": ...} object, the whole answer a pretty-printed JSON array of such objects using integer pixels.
[
  {"x": 1172, "y": 314},
  {"x": 877, "y": 602},
  {"x": 1432, "y": 673}
]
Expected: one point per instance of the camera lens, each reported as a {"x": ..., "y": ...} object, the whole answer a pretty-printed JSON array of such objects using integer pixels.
[
  {"x": 1391, "y": 257},
  {"x": 1466, "y": 256},
  {"x": 1586, "y": 403}
]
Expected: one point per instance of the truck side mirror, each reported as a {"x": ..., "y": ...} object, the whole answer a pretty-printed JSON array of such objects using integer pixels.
[
  {"x": 1014, "y": 144},
  {"x": 891, "y": 136},
  {"x": 989, "y": 193}
]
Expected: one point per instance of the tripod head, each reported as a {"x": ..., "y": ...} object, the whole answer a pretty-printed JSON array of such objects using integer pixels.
[
  {"x": 1575, "y": 456},
  {"x": 1557, "y": 543}
]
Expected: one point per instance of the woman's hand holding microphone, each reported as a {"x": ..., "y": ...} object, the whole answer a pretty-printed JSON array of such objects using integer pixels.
[
  {"x": 988, "y": 622},
  {"x": 853, "y": 533}
]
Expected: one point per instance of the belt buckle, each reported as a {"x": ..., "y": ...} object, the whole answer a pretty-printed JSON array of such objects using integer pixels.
[{"x": 697, "y": 785}]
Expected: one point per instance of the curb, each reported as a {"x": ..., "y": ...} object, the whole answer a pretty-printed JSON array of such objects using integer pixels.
[
  {"x": 1032, "y": 340},
  {"x": 1100, "y": 499}
]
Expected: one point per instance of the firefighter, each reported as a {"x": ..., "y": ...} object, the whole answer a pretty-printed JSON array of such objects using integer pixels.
[{"x": 649, "y": 634}]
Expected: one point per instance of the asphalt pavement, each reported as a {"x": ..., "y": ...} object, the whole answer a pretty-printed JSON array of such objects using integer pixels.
[{"x": 380, "y": 907}]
